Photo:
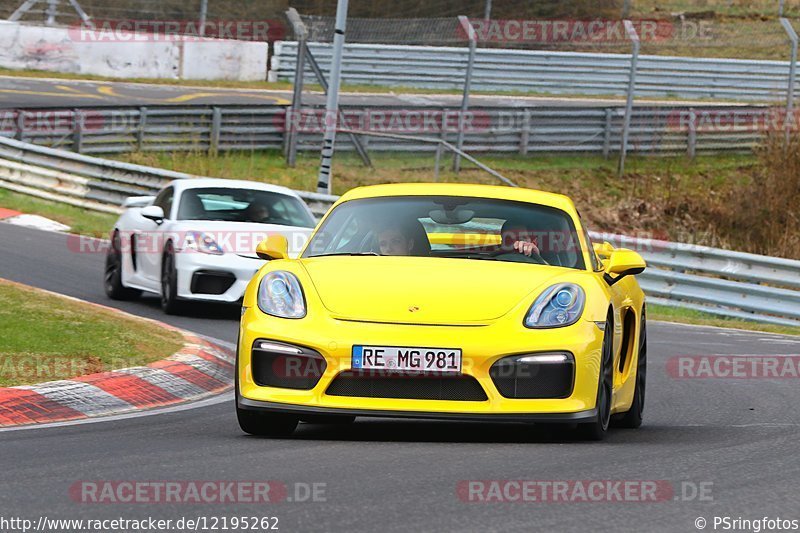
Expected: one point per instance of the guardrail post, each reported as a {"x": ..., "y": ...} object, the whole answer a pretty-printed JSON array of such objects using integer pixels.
[
  {"x": 691, "y": 134},
  {"x": 473, "y": 44},
  {"x": 626, "y": 126},
  {"x": 443, "y": 136},
  {"x": 789, "y": 122},
  {"x": 20, "y": 120},
  {"x": 140, "y": 130},
  {"x": 525, "y": 134},
  {"x": 436, "y": 162},
  {"x": 289, "y": 134},
  {"x": 216, "y": 125},
  {"x": 607, "y": 132},
  {"x": 77, "y": 130}
]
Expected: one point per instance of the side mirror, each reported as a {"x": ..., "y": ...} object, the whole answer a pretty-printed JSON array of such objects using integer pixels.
[
  {"x": 154, "y": 213},
  {"x": 603, "y": 250},
  {"x": 273, "y": 247},
  {"x": 623, "y": 262}
]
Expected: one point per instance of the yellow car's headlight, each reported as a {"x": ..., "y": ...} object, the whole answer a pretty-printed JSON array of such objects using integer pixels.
[
  {"x": 559, "y": 305},
  {"x": 281, "y": 295}
]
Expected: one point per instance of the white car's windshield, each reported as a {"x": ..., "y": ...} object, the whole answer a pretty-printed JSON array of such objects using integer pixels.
[
  {"x": 450, "y": 226},
  {"x": 243, "y": 205}
]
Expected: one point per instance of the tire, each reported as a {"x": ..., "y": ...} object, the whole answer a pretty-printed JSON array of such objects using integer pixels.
[
  {"x": 169, "y": 282},
  {"x": 328, "y": 419},
  {"x": 598, "y": 429},
  {"x": 632, "y": 418},
  {"x": 112, "y": 278}
]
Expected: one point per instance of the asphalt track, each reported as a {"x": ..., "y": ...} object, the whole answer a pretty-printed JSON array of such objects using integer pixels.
[
  {"x": 24, "y": 92},
  {"x": 740, "y": 435}
]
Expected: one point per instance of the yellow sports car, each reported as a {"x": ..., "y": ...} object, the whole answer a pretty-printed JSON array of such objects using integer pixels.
[{"x": 467, "y": 302}]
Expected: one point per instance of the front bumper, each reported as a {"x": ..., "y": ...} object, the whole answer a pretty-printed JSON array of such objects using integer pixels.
[
  {"x": 214, "y": 278},
  {"x": 481, "y": 347},
  {"x": 304, "y": 410}
]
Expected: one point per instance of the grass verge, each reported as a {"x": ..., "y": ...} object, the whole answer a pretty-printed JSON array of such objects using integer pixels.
[
  {"x": 691, "y": 316},
  {"x": 80, "y": 220},
  {"x": 45, "y": 338},
  {"x": 671, "y": 198}
]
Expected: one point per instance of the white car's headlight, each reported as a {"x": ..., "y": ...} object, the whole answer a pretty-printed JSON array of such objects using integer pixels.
[
  {"x": 559, "y": 305},
  {"x": 202, "y": 242},
  {"x": 280, "y": 294}
]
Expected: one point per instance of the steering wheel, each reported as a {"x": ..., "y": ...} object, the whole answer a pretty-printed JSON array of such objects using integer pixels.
[{"x": 516, "y": 257}]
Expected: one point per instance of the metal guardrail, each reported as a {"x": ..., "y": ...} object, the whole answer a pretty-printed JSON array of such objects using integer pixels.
[
  {"x": 722, "y": 282},
  {"x": 91, "y": 182},
  {"x": 662, "y": 129},
  {"x": 536, "y": 71},
  {"x": 716, "y": 281}
]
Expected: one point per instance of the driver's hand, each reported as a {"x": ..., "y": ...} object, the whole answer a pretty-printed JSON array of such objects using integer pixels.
[{"x": 526, "y": 248}]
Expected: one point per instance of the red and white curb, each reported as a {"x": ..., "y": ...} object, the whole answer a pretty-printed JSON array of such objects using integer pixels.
[
  {"x": 199, "y": 370},
  {"x": 31, "y": 221}
]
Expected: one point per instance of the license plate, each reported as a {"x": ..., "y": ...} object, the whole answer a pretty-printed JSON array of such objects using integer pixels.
[{"x": 407, "y": 359}]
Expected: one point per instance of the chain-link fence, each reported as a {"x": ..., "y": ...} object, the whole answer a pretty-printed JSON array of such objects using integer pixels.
[
  {"x": 697, "y": 28},
  {"x": 694, "y": 54}
]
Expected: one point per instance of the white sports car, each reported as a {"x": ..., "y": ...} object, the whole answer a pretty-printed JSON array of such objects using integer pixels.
[{"x": 196, "y": 239}]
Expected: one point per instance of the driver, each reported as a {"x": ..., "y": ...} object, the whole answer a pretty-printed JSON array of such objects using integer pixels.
[
  {"x": 515, "y": 237},
  {"x": 395, "y": 240},
  {"x": 256, "y": 212}
]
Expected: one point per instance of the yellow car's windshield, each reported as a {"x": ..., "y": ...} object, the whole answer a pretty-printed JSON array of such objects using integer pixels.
[{"x": 452, "y": 227}]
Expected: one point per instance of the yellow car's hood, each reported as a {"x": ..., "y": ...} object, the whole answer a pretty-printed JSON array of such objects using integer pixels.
[{"x": 424, "y": 290}]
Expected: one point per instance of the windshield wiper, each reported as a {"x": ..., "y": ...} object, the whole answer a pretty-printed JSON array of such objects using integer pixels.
[
  {"x": 478, "y": 257},
  {"x": 344, "y": 253}
]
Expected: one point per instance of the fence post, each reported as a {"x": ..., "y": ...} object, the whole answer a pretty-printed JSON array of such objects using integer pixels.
[
  {"x": 525, "y": 134},
  {"x": 216, "y": 125},
  {"x": 789, "y": 121},
  {"x": 607, "y": 132},
  {"x": 52, "y": 11},
  {"x": 691, "y": 137},
  {"x": 359, "y": 146},
  {"x": 77, "y": 130},
  {"x": 141, "y": 129},
  {"x": 289, "y": 133},
  {"x": 332, "y": 111},
  {"x": 202, "y": 17},
  {"x": 626, "y": 125},
  {"x": 626, "y": 8},
  {"x": 473, "y": 43}
]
